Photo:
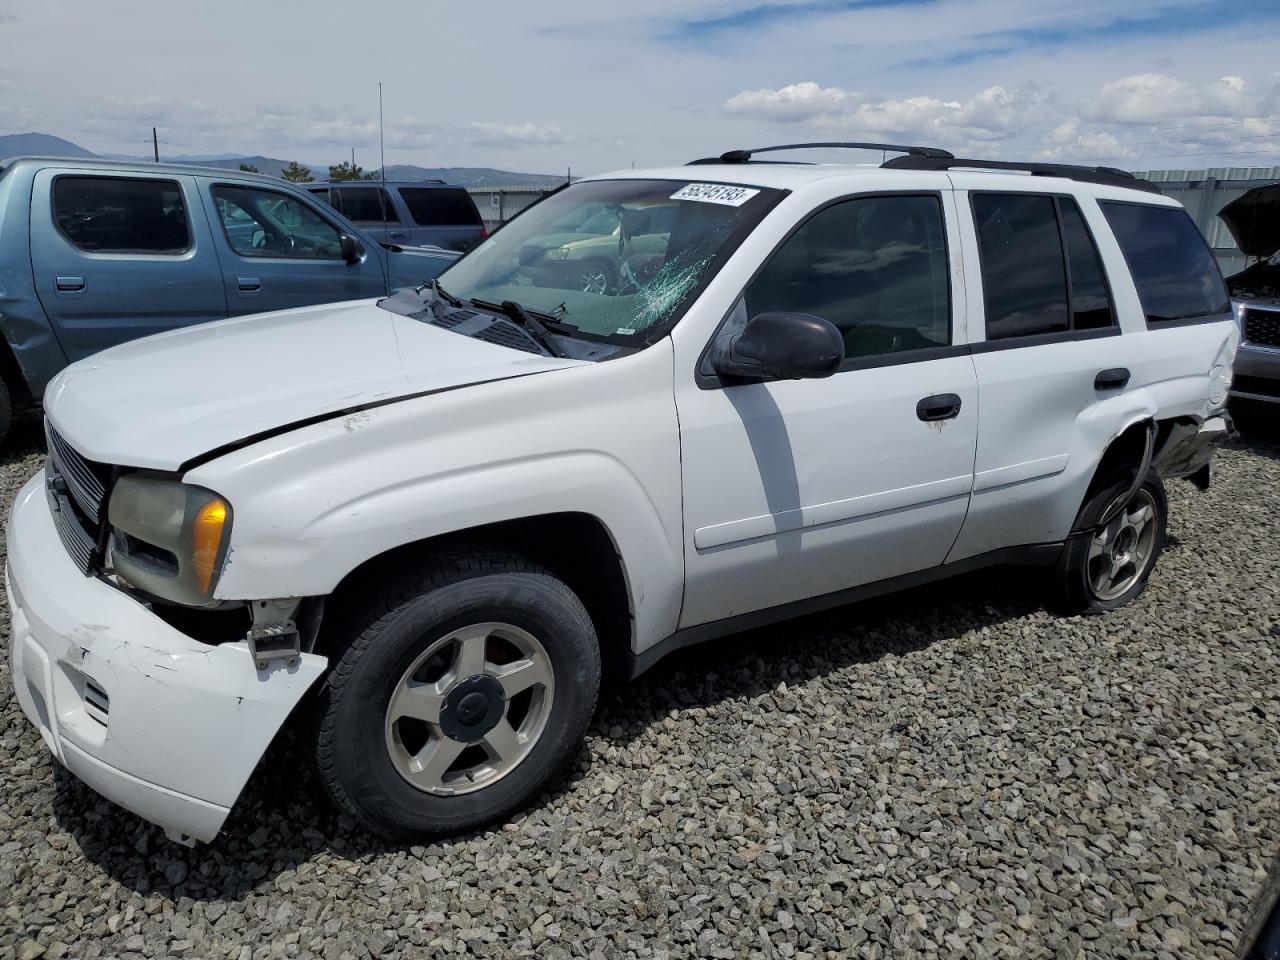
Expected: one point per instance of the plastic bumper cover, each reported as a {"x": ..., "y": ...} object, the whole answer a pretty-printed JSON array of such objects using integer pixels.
[
  {"x": 1256, "y": 373},
  {"x": 161, "y": 724}
]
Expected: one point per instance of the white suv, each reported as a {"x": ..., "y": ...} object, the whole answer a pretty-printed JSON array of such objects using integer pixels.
[{"x": 428, "y": 519}]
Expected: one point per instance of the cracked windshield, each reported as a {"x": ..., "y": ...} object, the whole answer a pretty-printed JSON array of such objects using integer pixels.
[{"x": 608, "y": 260}]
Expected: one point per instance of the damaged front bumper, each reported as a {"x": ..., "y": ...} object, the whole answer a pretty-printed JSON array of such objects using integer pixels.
[{"x": 161, "y": 724}]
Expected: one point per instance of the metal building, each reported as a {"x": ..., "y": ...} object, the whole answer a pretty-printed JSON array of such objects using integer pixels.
[{"x": 1204, "y": 193}]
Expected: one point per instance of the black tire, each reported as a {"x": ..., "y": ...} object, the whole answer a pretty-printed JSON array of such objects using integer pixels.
[
  {"x": 1071, "y": 590},
  {"x": 351, "y": 754},
  {"x": 6, "y": 411}
]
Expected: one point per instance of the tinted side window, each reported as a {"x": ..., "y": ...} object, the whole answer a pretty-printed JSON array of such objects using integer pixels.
[
  {"x": 875, "y": 267},
  {"x": 262, "y": 223},
  {"x": 435, "y": 207},
  {"x": 1175, "y": 273},
  {"x": 1024, "y": 282},
  {"x": 1090, "y": 298},
  {"x": 118, "y": 215},
  {"x": 362, "y": 204}
]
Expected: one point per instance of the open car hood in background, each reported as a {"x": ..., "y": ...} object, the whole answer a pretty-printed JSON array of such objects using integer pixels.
[{"x": 1254, "y": 220}]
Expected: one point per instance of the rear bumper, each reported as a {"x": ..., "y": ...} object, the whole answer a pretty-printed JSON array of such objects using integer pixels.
[
  {"x": 161, "y": 724},
  {"x": 1190, "y": 447}
]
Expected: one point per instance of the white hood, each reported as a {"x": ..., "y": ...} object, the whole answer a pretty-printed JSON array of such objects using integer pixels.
[{"x": 160, "y": 401}]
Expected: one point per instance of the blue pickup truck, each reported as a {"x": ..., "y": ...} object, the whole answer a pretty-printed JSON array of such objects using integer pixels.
[{"x": 94, "y": 253}]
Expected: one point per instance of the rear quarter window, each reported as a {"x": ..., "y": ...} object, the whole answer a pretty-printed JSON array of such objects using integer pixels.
[
  {"x": 1176, "y": 275},
  {"x": 436, "y": 207}
]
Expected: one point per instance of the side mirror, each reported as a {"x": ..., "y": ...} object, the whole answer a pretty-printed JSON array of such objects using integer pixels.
[
  {"x": 782, "y": 346},
  {"x": 350, "y": 248}
]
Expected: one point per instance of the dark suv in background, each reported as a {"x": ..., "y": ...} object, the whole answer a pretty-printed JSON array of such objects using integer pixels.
[{"x": 421, "y": 213}]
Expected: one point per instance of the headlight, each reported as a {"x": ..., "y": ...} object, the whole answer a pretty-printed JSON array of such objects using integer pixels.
[
  {"x": 167, "y": 538},
  {"x": 557, "y": 253}
]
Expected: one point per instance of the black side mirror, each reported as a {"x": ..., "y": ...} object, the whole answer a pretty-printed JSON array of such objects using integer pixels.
[
  {"x": 350, "y": 248},
  {"x": 782, "y": 346}
]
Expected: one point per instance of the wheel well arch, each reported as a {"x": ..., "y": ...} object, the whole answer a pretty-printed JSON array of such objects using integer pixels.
[
  {"x": 14, "y": 377},
  {"x": 1128, "y": 449},
  {"x": 575, "y": 547}
]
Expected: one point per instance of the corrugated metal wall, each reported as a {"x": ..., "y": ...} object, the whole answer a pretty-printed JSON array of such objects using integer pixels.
[
  {"x": 1204, "y": 193},
  {"x": 497, "y": 205}
]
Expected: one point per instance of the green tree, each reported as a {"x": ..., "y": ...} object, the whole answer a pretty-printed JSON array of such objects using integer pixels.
[
  {"x": 249, "y": 168},
  {"x": 297, "y": 173},
  {"x": 346, "y": 171}
]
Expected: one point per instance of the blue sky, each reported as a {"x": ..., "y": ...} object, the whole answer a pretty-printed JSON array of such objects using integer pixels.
[{"x": 596, "y": 86}]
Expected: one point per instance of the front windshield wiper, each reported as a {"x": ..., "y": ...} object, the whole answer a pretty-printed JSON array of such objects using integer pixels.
[
  {"x": 521, "y": 316},
  {"x": 441, "y": 292}
]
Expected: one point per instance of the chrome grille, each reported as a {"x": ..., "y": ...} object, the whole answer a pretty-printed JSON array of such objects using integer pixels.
[
  {"x": 1262, "y": 326},
  {"x": 86, "y": 481},
  {"x": 80, "y": 543}
]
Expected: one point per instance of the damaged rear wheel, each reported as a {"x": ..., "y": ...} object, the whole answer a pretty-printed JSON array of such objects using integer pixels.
[
  {"x": 461, "y": 691},
  {"x": 1108, "y": 564}
]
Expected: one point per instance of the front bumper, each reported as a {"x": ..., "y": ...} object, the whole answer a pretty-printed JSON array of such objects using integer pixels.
[
  {"x": 153, "y": 720},
  {"x": 1256, "y": 374}
]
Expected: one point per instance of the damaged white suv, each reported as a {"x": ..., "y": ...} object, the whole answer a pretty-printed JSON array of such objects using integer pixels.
[{"x": 427, "y": 520}]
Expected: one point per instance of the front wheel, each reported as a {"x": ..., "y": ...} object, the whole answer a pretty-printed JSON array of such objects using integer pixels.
[
  {"x": 458, "y": 695},
  {"x": 1108, "y": 566}
]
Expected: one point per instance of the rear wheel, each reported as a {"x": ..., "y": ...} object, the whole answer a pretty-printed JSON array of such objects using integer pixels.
[
  {"x": 457, "y": 696},
  {"x": 1108, "y": 566}
]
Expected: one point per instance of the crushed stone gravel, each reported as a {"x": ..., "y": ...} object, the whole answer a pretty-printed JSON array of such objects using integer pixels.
[{"x": 951, "y": 772}]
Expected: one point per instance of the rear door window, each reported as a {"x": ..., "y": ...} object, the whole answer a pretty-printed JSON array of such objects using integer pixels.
[
  {"x": 1090, "y": 297},
  {"x": 121, "y": 215},
  {"x": 440, "y": 207},
  {"x": 366, "y": 205},
  {"x": 1176, "y": 275},
  {"x": 1024, "y": 279}
]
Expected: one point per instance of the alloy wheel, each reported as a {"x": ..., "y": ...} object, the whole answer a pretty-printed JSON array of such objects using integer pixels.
[
  {"x": 1121, "y": 551},
  {"x": 470, "y": 708}
]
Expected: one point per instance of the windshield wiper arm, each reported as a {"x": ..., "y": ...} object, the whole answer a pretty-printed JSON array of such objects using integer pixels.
[
  {"x": 519, "y": 315},
  {"x": 442, "y": 293}
]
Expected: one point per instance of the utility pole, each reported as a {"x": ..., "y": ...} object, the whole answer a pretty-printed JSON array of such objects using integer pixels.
[{"x": 155, "y": 144}]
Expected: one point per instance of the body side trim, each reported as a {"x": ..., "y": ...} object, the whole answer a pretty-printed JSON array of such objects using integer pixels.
[{"x": 1036, "y": 554}]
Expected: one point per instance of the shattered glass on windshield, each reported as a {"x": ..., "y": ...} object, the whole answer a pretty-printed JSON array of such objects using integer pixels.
[{"x": 609, "y": 260}]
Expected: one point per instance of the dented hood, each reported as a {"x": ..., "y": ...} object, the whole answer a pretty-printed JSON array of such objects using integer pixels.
[
  {"x": 1254, "y": 220},
  {"x": 164, "y": 400}
]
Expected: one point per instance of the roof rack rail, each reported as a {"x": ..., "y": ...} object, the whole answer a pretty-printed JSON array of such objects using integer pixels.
[
  {"x": 1109, "y": 176},
  {"x": 743, "y": 156}
]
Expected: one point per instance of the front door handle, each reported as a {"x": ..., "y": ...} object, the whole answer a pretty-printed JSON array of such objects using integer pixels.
[
  {"x": 398, "y": 235},
  {"x": 248, "y": 284},
  {"x": 1113, "y": 379},
  {"x": 940, "y": 406},
  {"x": 69, "y": 284}
]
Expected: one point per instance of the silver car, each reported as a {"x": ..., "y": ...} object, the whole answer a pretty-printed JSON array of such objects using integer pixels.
[{"x": 1254, "y": 222}]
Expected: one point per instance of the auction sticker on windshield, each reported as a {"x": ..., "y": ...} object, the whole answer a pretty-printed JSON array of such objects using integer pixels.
[{"x": 715, "y": 193}]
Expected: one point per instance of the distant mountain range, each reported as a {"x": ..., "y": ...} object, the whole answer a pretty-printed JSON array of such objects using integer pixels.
[{"x": 45, "y": 145}]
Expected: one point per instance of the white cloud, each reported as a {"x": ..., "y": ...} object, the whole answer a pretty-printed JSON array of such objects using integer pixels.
[{"x": 1124, "y": 120}]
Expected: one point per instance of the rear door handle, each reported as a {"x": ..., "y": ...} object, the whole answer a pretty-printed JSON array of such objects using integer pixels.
[
  {"x": 248, "y": 284},
  {"x": 398, "y": 235},
  {"x": 69, "y": 284},
  {"x": 940, "y": 406},
  {"x": 1113, "y": 379}
]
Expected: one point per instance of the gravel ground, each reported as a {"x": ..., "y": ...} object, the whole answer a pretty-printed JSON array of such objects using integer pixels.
[{"x": 949, "y": 772}]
